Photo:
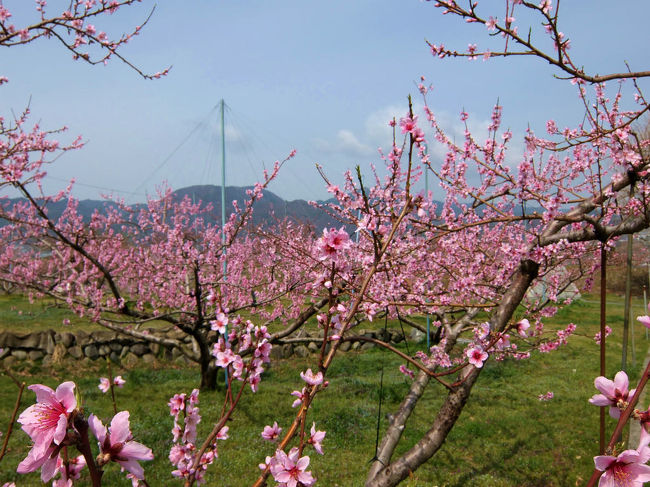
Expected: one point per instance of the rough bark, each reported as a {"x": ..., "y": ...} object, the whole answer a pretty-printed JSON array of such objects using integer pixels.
[
  {"x": 393, "y": 473},
  {"x": 398, "y": 421}
]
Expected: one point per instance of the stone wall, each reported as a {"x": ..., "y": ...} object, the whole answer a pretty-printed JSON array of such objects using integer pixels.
[
  {"x": 53, "y": 346},
  {"x": 50, "y": 345}
]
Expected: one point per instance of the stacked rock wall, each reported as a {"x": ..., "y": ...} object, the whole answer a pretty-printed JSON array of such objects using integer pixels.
[{"x": 51, "y": 345}]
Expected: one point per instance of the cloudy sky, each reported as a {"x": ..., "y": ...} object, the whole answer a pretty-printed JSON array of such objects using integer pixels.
[{"x": 321, "y": 77}]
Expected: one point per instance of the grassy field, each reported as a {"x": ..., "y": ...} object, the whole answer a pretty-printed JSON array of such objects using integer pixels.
[{"x": 505, "y": 436}]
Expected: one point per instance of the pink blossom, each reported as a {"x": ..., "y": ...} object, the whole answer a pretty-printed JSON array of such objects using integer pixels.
[
  {"x": 223, "y": 433},
  {"x": 271, "y": 433},
  {"x": 627, "y": 469},
  {"x": 491, "y": 24},
  {"x": 46, "y": 422},
  {"x": 522, "y": 327},
  {"x": 316, "y": 438},
  {"x": 644, "y": 320},
  {"x": 476, "y": 356},
  {"x": 289, "y": 469},
  {"x": 4, "y": 14},
  {"x": 608, "y": 331},
  {"x": 312, "y": 379},
  {"x": 220, "y": 323},
  {"x": 46, "y": 461},
  {"x": 546, "y": 397},
  {"x": 300, "y": 397},
  {"x": 503, "y": 342},
  {"x": 118, "y": 445},
  {"x": 613, "y": 394},
  {"x": 482, "y": 331},
  {"x": 471, "y": 49},
  {"x": 176, "y": 404},
  {"x": 69, "y": 472},
  {"x": 406, "y": 371},
  {"x": 332, "y": 242},
  {"x": 408, "y": 124},
  {"x": 104, "y": 384}
]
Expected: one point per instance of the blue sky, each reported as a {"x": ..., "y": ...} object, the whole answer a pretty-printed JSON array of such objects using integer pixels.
[{"x": 321, "y": 77}]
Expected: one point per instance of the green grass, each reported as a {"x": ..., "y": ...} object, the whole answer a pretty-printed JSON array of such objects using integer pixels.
[
  {"x": 504, "y": 437},
  {"x": 20, "y": 315}
]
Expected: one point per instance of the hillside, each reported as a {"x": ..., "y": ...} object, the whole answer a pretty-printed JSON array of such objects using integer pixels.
[{"x": 266, "y": 211}]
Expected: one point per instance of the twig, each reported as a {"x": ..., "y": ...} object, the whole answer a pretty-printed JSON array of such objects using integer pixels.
[{"x": 21, "y": 388}]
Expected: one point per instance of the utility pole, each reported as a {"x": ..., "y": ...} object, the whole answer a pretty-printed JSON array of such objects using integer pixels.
[{"x": 223, "y": 209}]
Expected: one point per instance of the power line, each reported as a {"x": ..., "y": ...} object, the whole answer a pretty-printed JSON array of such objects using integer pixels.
[
  {"x": 202, "y": 123},
  {"x": 93, "y": 186}
]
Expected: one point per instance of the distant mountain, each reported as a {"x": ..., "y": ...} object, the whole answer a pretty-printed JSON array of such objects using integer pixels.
[{"x": 267, "y": 210}]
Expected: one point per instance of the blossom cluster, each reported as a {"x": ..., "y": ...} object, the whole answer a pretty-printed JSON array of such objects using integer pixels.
[
  {"x": 56, "y": 421},
  {"x": 183, "y": 454},
  {"x": 105, "y": 384},
  {"x": 289, "y": 470},
  {"x": 244, "y": 336},
  {"x": 628, "y": 468}
]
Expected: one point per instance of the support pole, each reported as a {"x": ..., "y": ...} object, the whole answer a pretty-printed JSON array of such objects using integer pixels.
[
  {"x": 426, "y": 195},
  {"x": 223, "y": 208},
  {"x": 603, "y": 309}
]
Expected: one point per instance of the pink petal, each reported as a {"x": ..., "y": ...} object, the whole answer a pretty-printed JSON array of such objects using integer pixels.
[
  {"x": 65, "y": 395},
  {"x": 644, "y": 439},
  {"x": 136, "y": 451},
  {"x": 608, "y": 480},
  {"x": 640, "y": 473},
  {"x": 600, "y": 400},
  {"x": 644, "y": 453},
  {"x": 602, "y": 462},
  {"x": 306, "y": 478},
  {"x": 645, "y": 320},
  {"x": 614, "y": 412},
  {"x": 43, "y": 393},
  {"x": 604, "y": 385},
  {"x": 61, "y": 428},
  {"x": 293, "y": 456},
  {"x": 303, "y": 463},
  {"x": 120, "y": 431},
  {"x": 97, "y": 428},
  {"x": 629, "y": 456},
  {"x": 283, "y": 476},
  {"x": 33, "y": 461},
  {"x": 134, "y": 467},
  {"x": 29, "y": 418},
  {"x": 621, "y": 382},
  {"x": 49, "y": 470}
]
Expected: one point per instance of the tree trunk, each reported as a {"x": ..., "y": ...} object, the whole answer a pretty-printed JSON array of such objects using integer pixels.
[
  {"x": 208, "y": 374},
  {"x": 396, "y": 471},
  {"x": 209, "y": 369}
]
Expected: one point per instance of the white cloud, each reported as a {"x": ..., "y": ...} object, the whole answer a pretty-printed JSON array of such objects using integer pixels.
[
  {"x": 232, "y": 134},
  {"x": 347, "y": 143},
  {"x": 376, "y": 132}
]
